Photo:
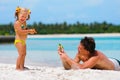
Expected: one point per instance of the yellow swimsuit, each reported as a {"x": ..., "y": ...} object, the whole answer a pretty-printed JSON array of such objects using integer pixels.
[
  {"x": 21, "y": 41},
  {"x": 18, "y": 40}
]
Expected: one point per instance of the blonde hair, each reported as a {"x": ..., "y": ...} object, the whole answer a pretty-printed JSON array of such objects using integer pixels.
[{"x": 19, "y": 9}]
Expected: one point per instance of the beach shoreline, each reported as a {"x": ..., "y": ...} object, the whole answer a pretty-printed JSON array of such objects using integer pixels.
[
  {"x": 8, "y": 72},
  {"x": 74, "y": 35},
  {"x": 12, "y": 37}
]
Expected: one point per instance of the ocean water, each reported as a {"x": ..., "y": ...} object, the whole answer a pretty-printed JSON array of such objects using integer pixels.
[{"x": 43, "y": 51}]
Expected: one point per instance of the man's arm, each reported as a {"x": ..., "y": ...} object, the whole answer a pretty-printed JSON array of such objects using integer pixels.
[
  {"x": 90, "y": 63},
  {"x": 77, "y": 58}
]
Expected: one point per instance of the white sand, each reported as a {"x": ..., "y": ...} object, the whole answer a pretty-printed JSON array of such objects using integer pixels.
[
  {"x": 8, "y": 72},
  {"x": 75, "y": 35}
]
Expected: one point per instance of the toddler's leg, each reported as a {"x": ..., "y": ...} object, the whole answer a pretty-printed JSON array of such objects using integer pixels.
[{"x": 21, "y": 55}]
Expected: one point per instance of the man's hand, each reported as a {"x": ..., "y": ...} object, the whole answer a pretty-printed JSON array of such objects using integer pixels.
[{"x": 60, "y": 49}]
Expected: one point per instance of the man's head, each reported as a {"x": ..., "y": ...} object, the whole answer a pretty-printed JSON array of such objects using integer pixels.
[{"x": 88, "y": 44}]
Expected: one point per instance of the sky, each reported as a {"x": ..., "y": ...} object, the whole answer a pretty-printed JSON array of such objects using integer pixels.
[{"x": 59, "y": 11}]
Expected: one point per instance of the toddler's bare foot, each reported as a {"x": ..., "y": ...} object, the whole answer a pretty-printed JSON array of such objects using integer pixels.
[{"x": 26, "y": 68}]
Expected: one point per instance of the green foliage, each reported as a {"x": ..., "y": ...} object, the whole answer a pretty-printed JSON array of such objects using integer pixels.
[
  {"x": 64, "y": 28},
  {"x": 7, "y": 29}
]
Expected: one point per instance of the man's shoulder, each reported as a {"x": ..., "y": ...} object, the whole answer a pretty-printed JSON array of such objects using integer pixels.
[{"x": 100, "y": 54}]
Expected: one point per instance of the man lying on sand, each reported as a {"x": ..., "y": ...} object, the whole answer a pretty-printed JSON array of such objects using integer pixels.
[{"x": 88, "y": 57}]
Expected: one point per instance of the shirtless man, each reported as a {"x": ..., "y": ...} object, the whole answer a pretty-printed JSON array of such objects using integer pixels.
[{"x": 88, "y": 57}]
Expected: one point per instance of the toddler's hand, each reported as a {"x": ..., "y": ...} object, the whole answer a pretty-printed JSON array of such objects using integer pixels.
[{"x": 32, "y": 31}]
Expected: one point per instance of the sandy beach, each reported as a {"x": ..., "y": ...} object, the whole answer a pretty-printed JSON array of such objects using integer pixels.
[
  {"x": 8, "y": 72},
  {"x": 75, "y": 35}
]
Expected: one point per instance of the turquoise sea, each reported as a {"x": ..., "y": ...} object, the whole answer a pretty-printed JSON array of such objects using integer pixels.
[{"x": 43, "y": 51}]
